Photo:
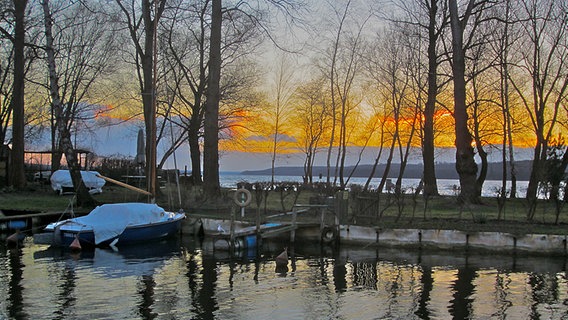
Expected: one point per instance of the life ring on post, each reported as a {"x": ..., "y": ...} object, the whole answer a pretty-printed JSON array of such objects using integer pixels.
[
  {"x": 328, "y": 235},
  {"x": 237, "y": 197}
]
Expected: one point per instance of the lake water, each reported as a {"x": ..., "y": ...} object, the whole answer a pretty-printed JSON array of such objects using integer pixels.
[
  {"x": 182, "y": 279},
  {"x": 445, "y": 186}
]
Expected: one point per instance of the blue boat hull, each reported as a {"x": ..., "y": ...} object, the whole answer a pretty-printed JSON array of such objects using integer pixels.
[{"x": 130, "y": 235}]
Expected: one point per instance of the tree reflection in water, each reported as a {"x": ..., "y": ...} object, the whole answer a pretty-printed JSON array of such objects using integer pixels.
[
  {"x": 15, "y": 289},
  {"x": 184, "y": 280}
]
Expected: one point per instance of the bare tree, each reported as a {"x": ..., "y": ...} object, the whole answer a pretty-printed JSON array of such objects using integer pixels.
[
  {"x": 83, "y": 50},
  {"x": 142, "y": 25},
  {"x": 465, "y": 163},
  {"x": 186, "y": 57},
  {"x": 61, "y": 117},
  {"x": 436, "y": 24},
  {"x": 6, "y": 73},
  {"x": 283, "y": 87},
  {"x": 186, "y": 33},
  {"x": 428, "y": 20},
  {"x": 348, "y": 99},
  {"x": 17, "y": 176},
  {"x": 484, "y": 106},
  {"x": 502, "y": 43},
  {"x": 211, "y": 116},
  {"x": 342, "y": 66},
  {"x": 311, "y": 117},
  {"x": 342, "y": 16},
  {"x": 377, "y": 123},
  {"x": 390, "y": 67},
  {"x": 211, "y": 183},
  {"x": 540, "y": 79}
]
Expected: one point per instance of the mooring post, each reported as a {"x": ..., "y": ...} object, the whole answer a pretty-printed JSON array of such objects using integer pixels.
[
  {"x": 322, "y": 220},
  {"x": 293, "y": 232},
  {"x": 232, "y": 233},
  {"x": 337, "y": 228},
  {"x": 258, "y": 222},
  {"x": 258, "y": 237}
]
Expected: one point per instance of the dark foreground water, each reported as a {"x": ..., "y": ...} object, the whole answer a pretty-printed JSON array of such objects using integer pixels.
[{"x": 184, "y": 279}]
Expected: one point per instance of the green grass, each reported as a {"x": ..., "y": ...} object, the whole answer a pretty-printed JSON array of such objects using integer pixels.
[{"x": 33, "y": 201}]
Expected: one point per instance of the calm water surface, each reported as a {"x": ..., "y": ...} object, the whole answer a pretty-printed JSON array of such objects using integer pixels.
[
  {"x": 186, "y": 279},
  {"x": 445, "y": 186}
]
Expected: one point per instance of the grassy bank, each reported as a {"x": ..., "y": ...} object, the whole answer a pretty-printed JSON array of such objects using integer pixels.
[{"x": 384, "y": 210}]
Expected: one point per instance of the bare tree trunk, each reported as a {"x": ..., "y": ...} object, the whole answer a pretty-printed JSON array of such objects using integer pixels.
[
  {"x": 429, "y": 173},
  {"x": 310, "y": 116},
  {"x": 146, "y": 52},
  {"x": 149, "y": 91},
  {"x": 283, "y": 87},
  {"x": 193, "y": 98},
  {"x": 195, "y": 155},
  {"x": 477, "y": 138},
  {"x": 275, "y": 144},
  {"x": 333, "y": 120},
  {"x": 512, "y": 164},
  {"x": 537, "y": 175},
  {"x": 84, "y": 198},
  {"x": 377, "y": 159},
  {"x": 195, "y": 125},
  {"x": 507, "y": 123},
  {"x": 388, "y": 165},
  {"x": 17, "y": 175},
  {"x": 342, "y": 150},
  {"x": 406, "y": 154},
  {"x": 332, "y": 86},
  {"x": 465, "y": 163},
  {"x": 545, "y": 29},
  {"x": 211, "y": 183}
]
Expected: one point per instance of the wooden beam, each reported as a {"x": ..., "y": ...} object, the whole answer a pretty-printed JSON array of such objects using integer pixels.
[{"x": 127, "y": 186}]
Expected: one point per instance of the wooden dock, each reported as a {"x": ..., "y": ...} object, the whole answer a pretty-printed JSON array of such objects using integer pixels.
[
  {"x": 4, "y": 218},
  {"x": 30, "y": 221},
  {"x": 278, "y": 225}
]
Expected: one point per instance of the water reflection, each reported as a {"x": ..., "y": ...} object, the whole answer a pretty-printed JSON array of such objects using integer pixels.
[
  {"x": 66, "y": 288},
  {"x": 14, "y": 299},
  {"x": 185, "y": 279}
]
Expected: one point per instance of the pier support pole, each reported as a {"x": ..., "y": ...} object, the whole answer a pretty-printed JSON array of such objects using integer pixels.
[
  {"x": 232, "y": 233},
  {"x": 258, "y": 236},
  {"x": 322, "y": 222},
  {"x": 293, "y": 231}
]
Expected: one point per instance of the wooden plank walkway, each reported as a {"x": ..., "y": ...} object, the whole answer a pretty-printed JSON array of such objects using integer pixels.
[
  {"x": 267, "y": 229},
  {"x": 277, "y": 226},
  {"x": 4, "y": 218},
  {"x": 32, "y": 221}
]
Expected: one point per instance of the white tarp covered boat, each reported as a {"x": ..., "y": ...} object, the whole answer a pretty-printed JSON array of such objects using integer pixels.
[
  {"x": 61, "y": 181},
  {"x": 119, "y": 223}
]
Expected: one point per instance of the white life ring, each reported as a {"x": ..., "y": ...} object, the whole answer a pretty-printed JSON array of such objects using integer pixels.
[
  {"x": 238, "y": 199},
  {"x": 328, "y": 235}
]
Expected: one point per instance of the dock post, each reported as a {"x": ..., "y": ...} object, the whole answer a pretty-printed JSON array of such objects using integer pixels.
[
  {"x": 293, "y": 231},
  {"x": 232, "y": 233},
  {"x": 337, "y": 228},
  {"x": 322, "y": 221},
  {"x": 258, "y": 236}
]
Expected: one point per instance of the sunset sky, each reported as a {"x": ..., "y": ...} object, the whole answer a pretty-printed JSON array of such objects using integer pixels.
[{"x": 120, "y": 140}]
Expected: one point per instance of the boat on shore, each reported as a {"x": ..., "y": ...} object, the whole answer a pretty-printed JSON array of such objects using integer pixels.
[{"x": 114, "y": 224}]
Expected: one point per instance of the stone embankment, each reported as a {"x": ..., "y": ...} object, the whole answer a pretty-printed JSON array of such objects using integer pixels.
[{"x": 455, "y": 239}]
